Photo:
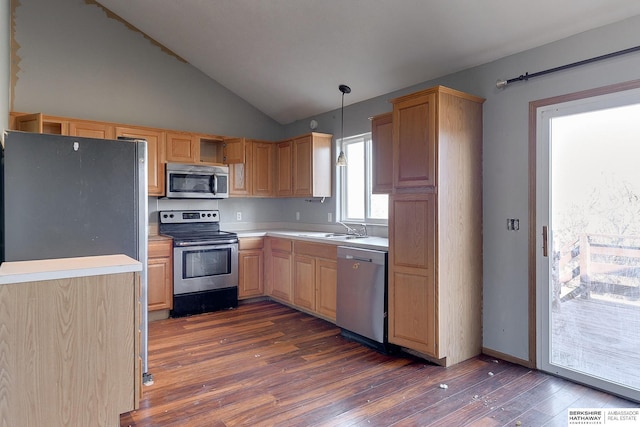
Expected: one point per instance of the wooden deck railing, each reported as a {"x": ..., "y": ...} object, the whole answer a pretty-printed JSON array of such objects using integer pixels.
[{"x": 601, "y": 264}]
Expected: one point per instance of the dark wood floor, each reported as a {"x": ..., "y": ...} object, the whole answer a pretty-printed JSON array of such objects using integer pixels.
[{"x": 268, "y": 365}]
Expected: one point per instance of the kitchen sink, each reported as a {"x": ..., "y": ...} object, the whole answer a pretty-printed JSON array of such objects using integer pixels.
[
  {"x": 345, "y": 236},
  {"x": 334, "y": 236}
]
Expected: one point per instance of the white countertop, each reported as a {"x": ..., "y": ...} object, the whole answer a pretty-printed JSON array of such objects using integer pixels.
[
  {"x": 374, "y": 243},
  {"x": 63, "y": 268}
]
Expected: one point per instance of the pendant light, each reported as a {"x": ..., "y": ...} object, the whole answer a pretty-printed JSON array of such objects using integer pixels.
[{"x": 342, "y": 159}]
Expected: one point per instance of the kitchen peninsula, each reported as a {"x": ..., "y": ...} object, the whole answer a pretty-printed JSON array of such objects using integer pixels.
[{"x": 69, "y": 346}]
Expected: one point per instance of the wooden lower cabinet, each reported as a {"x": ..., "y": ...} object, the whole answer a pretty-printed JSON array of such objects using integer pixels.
[
  {"x": 315, "y": 278},
  {"x": 280, "y": 269},
  {"x": 412, "y": 308},
  {"x": 326, "y": 287},
  {"x": 160, "y": 274},
  {"x": 412, "y": 293},
  {"x": 303, "y": 275},
  {"x": 250, "y": 267},
  {"x": 304, "y": 282}
]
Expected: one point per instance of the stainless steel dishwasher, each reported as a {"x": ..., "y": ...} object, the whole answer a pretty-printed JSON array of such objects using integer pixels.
[{"x": 362, "y": 294}]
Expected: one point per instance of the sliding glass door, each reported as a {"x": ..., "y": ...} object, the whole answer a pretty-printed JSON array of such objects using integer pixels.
[{"x": 588, "y": 240}]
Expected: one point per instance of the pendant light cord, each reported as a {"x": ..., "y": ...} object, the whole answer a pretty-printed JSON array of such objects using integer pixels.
[{"x": 342, "y": 124}]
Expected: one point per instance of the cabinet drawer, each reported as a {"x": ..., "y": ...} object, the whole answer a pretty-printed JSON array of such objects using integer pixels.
[
  {"x": 282, "y": 245},
  {"x": 160, "y": 248},
  {"x": 318, "y": 250},
  {"x": 247, "y": 243}
]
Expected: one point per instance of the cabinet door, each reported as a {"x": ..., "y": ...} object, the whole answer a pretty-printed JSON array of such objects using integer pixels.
[
  {"x": 250, "y": 273},
  {"x": 182, "y": 147},
  {"x": 155, "y": 155},
  {"x": 312, "y": 165},
  {"x": 304, "y": 282},
  {"x": 91, "y": 129},
  {"x": 414, "y": 141},
  {"x": 326, "y": 287},
  {"x": 234, "y": 150},
  {"x": 159, "y": 284},
  {"x": 281, "y": 275},
  {"x": 382, "y": 153},
  {"x": 285, "y": 158},
  {"x": 240, "y": 175},
  {"x": 413, "y": 321},
  {"x": 302, "y": 167},
  {"x": 262, "y": 168}
]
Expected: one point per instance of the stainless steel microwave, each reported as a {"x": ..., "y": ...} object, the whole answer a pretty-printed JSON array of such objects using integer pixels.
[{"x": 186, "y": 181}]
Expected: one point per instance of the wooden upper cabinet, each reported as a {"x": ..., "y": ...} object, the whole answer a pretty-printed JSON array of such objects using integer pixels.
[
  {"x": 234, "y": 150},
  {"x": 89, "y": 129},
  {"x": 156, "y": 158},
  {"x": 240, "y": 175},
  {"x": 382, "y": 151},
  {"x": 284, "y": 157},
  {"x": 414, "y": 140},
  {"x": 219, "y": 150},
  {"x": 254, "y": 177},
  {"x": 39, "y": 123},
  {"x": 262, "y": 168},
  {"x": 182, "y": 147},
  {"x": 311, "y": 173}
]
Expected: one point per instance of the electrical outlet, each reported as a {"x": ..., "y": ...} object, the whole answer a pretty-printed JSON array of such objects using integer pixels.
[
  {"x": 329, "y": 217},
  {"x": 513, "y": 224},
  {"x": 297, "y": 216},
  {"x": 239, "y": 216}
]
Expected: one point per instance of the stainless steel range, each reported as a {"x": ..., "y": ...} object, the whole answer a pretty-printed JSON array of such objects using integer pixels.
[{"x": 205, "y": 262}]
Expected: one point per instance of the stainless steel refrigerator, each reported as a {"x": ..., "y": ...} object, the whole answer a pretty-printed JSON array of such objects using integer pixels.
[{"x": 70, "y": 197}]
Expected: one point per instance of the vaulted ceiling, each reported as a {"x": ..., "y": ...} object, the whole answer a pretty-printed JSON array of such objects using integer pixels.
[{"x": 287, "y": 57}]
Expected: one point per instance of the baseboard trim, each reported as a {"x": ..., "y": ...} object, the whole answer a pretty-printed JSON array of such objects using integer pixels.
[{"x": 506, "y": 357}]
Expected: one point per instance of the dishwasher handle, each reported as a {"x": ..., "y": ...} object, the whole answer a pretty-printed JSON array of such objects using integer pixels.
[
  {"x": 355, "y": 258},
  {"x": 369, "y": 256}
]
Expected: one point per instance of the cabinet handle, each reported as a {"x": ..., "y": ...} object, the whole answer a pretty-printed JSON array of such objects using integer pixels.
[{"x": 545, "y": 250}]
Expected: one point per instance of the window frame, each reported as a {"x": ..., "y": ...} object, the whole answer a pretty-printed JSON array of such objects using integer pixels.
[{"x": 342, "y": 183}]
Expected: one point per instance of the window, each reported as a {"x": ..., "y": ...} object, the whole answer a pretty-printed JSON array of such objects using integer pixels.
[{"x": 357, "y": 204}]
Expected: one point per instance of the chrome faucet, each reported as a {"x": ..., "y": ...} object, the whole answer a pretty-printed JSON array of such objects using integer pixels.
[{"x": 350, "y": 230}]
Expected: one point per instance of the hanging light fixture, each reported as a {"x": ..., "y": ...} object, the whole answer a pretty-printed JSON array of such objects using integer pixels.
[{"x": 342, "y": 159}]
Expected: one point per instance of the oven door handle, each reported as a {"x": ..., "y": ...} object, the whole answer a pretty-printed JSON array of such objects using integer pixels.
[{"x": 207, "y": 242}]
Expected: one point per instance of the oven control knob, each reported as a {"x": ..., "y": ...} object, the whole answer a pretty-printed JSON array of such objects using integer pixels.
[
  {"x": 215, "y": 214},
  {"x": 170, "y": 215}
]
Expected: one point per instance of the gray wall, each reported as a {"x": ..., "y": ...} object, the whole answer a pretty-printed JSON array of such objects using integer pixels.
[
  {"x": 76, "y": 61},
  {"x": 505, "y": 155}
]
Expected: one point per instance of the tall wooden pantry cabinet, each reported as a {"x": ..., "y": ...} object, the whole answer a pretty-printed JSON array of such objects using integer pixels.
[{"x": 435, "y": 225}]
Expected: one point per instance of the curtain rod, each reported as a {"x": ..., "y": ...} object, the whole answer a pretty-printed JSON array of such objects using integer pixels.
[{"x": 503, "y": 83}]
